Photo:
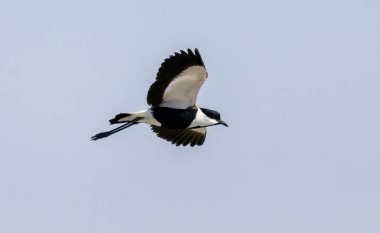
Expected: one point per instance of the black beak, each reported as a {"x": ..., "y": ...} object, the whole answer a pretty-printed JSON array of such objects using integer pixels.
[{"x": 223, "y": 123}]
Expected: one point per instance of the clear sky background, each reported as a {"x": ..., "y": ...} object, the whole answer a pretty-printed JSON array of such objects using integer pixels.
[{"x": 297, "y": 81}]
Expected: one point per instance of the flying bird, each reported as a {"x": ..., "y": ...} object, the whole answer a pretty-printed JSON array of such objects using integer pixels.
[{"x": 173, "y": 114}]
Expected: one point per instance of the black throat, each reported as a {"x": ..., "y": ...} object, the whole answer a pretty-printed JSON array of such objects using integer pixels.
[{"x": 174, "y": 118}]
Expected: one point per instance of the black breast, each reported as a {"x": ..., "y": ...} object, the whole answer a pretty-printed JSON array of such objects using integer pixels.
[{"x": 174, "y": 118}]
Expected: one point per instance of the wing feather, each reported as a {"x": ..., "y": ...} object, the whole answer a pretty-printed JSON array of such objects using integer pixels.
[
  {"x": 178, "y": 81},
  {"x": 182, "y": 137}
]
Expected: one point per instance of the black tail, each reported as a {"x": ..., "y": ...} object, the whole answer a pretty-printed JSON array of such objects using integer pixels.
[
  {"x": 108, "y": 133},
  {"x": 116, "y": 119}
]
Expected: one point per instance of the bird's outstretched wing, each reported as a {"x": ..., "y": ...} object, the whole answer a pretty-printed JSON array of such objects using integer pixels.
[
  {"x": 178, "y": 81},
  {"x": 183, "y": 137}
]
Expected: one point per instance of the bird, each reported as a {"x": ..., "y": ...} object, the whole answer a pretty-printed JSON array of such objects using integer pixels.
[{"x": 173, "y": 114}]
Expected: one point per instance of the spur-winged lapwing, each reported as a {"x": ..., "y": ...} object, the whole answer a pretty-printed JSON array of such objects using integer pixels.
[{"x": 173, "y": 114}]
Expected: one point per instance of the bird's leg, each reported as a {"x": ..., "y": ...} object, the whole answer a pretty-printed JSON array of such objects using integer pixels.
[{"x": 108, "y": 133}]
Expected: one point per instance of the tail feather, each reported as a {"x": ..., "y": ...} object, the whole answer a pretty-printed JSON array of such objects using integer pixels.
[
  {"x": 120, "y": 118},
  {"x": 129, "y": 117}
]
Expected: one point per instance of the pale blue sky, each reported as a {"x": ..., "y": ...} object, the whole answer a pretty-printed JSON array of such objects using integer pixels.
[{"x": 297, "y": 81}]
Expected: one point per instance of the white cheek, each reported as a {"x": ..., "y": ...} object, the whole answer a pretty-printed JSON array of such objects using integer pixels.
[
  {"x": 202, "y": 120},
  {"x": 213, "y": 122}
]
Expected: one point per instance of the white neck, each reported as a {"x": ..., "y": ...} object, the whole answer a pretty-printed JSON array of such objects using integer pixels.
[{"x": 202, "y": 120}]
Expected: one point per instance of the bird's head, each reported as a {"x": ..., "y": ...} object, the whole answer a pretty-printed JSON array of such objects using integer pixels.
[{"x": 214, "y": 115}]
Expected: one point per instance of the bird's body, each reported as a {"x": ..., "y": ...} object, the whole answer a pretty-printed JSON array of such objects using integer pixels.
[
  {"x": 173, "y": 114},
  {"x": 168, "y": 117}
]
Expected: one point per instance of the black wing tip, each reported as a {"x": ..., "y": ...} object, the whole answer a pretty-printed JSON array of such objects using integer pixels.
[
  {"x": 198, "y": 56},
  {"x": 186, "y": 52},
  {"x": 190, "y": 53}
]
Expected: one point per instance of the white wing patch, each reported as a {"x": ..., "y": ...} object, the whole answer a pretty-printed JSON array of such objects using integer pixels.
[
  {"x": 202, "y": 130},
  {"x": 182, "y": 92}
]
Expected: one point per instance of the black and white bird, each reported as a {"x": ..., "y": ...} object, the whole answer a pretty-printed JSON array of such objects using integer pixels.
[{"x": 173, "y": 113}]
